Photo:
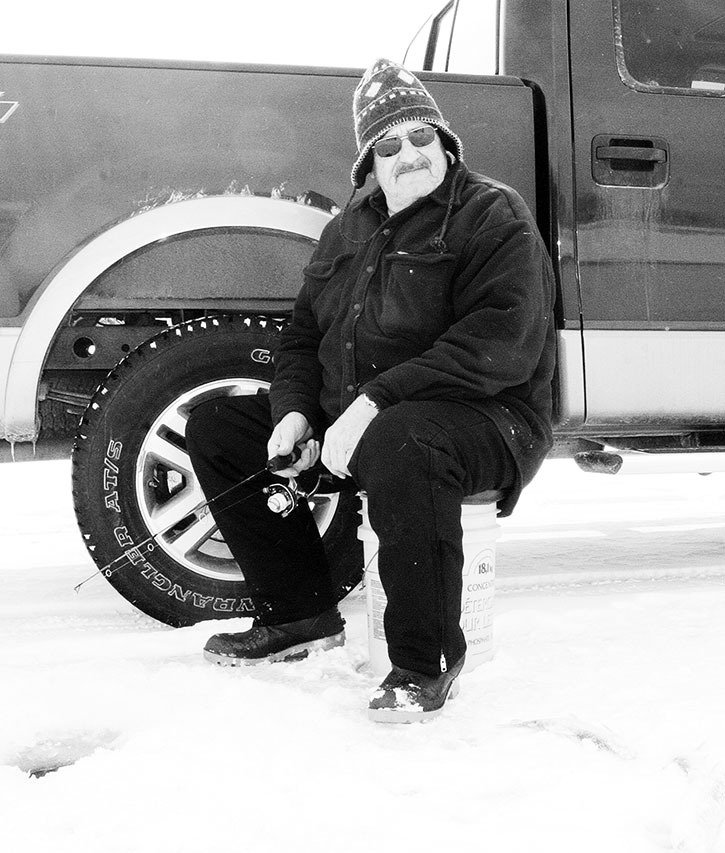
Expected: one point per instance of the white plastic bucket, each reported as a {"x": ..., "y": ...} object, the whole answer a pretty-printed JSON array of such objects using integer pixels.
[{"x": 480, "y": 532}]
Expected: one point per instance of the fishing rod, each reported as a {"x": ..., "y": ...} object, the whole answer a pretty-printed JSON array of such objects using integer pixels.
[{"x": 282, "y": 499}]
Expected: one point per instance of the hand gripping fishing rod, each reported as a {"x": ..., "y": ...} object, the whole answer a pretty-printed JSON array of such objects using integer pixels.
[{"x": 283, "y": 500}]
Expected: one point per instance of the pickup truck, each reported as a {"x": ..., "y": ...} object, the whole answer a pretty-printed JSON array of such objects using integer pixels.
[{"x": 155, "y": 217}]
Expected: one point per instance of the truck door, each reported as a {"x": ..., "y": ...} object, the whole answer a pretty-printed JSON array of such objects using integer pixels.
[{"x": 648, "y": 111}]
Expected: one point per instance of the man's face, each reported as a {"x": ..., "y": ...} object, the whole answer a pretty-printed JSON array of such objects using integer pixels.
[{"x": 411, "y": 173}]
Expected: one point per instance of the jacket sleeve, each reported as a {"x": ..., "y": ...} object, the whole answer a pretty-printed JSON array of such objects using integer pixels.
[
  {"x": 503, "y": 299},
  {"x": 298, "y": 374}
]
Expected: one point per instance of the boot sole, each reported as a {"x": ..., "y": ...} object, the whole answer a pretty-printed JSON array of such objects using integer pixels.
[
  {"x": 392, "y": 715},
  {"x": 291, "y": 653}
]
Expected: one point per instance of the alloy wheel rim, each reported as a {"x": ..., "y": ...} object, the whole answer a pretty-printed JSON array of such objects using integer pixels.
[{"x": 167, "y": 490}]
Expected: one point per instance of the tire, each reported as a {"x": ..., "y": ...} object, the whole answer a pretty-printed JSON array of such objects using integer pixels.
[{"x": 132, "y": 477}]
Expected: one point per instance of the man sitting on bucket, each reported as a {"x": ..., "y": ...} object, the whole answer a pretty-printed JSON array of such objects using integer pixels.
[{"x": 418, "y": 361}]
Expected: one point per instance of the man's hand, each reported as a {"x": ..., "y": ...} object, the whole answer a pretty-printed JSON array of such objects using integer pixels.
[
  {"x": 342, "y": 437},
  {"x": 294, "y": 430}
]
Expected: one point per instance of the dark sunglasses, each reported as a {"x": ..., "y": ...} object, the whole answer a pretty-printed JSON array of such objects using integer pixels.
[{"x": 391, "y": 145}]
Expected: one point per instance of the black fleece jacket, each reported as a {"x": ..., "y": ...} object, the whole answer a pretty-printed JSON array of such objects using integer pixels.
[{"x": 449, "y": 299}]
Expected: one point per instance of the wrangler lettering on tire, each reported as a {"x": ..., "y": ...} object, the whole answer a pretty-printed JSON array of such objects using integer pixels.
[{"x": 132, "y": 476}]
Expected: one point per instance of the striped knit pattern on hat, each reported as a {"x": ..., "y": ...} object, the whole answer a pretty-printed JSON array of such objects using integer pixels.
[{"x": 387, "y": 95}]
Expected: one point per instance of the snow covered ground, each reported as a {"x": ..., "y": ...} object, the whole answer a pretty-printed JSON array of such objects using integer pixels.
[{"x": 598, "y": 726}]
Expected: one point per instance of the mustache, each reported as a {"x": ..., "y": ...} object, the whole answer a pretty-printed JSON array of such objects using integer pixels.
[{"x": 420, "y": 163}]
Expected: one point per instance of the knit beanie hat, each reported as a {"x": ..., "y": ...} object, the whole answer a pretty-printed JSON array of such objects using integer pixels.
[{"x": 389, "y": 94}]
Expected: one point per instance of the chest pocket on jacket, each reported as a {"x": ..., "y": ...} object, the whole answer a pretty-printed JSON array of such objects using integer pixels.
[
  {"x": 325, "y": 268},
  {"x": 416, "y": 295},
  {"x": 325, "y": 294}
]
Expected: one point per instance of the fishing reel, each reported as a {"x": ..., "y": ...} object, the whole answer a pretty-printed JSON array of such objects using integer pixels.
[{"x": 283, "y": 498}]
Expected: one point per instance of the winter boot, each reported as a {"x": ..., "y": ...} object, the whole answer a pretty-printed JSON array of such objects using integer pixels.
[
  {"x": 285, "y": 642},
  {"x": 408, "y": 697}
]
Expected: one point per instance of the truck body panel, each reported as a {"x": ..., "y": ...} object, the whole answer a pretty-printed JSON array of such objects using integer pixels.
[
  {"x": 92, "y": 144},
  {"x": 650, "y": 233}
]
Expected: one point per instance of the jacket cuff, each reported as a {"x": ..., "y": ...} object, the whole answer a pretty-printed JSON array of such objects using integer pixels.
[{"x": 377, "y": 394}]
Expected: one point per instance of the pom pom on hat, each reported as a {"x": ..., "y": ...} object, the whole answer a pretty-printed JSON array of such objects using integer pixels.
[{"x": 389, "y": 94}]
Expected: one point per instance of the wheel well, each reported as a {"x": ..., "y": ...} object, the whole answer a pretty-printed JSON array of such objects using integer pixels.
[
  {"x": 173, "y": 281},
  {"x": 297, "y": 222},
  {"x": 235, "y": 268},
  {"x": 188, "y": 276}
]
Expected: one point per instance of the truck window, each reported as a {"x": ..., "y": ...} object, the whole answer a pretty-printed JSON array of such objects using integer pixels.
[
  {"x": 415, "y": 54},
  {"x": 474, "y": 46},
  {"x": 671, "y": 44},
  {"x": 461, "y": 36},
  {"x": 428, "y": 51},
  {"x": 441, "y": 33}
]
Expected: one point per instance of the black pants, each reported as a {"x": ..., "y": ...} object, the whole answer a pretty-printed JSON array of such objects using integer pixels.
[{"x": 416, "y": 461}]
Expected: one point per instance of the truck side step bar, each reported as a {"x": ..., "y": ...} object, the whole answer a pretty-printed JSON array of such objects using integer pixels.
[{"x": 634, "y": 462}]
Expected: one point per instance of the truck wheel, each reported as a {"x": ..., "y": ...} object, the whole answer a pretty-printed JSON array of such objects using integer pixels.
[{"x": 132, "y": 476}]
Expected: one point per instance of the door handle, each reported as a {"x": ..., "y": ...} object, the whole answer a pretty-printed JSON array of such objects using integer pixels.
[
  {"x": 641, "y": 153},
  {"x": 630, "y": 161}
]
